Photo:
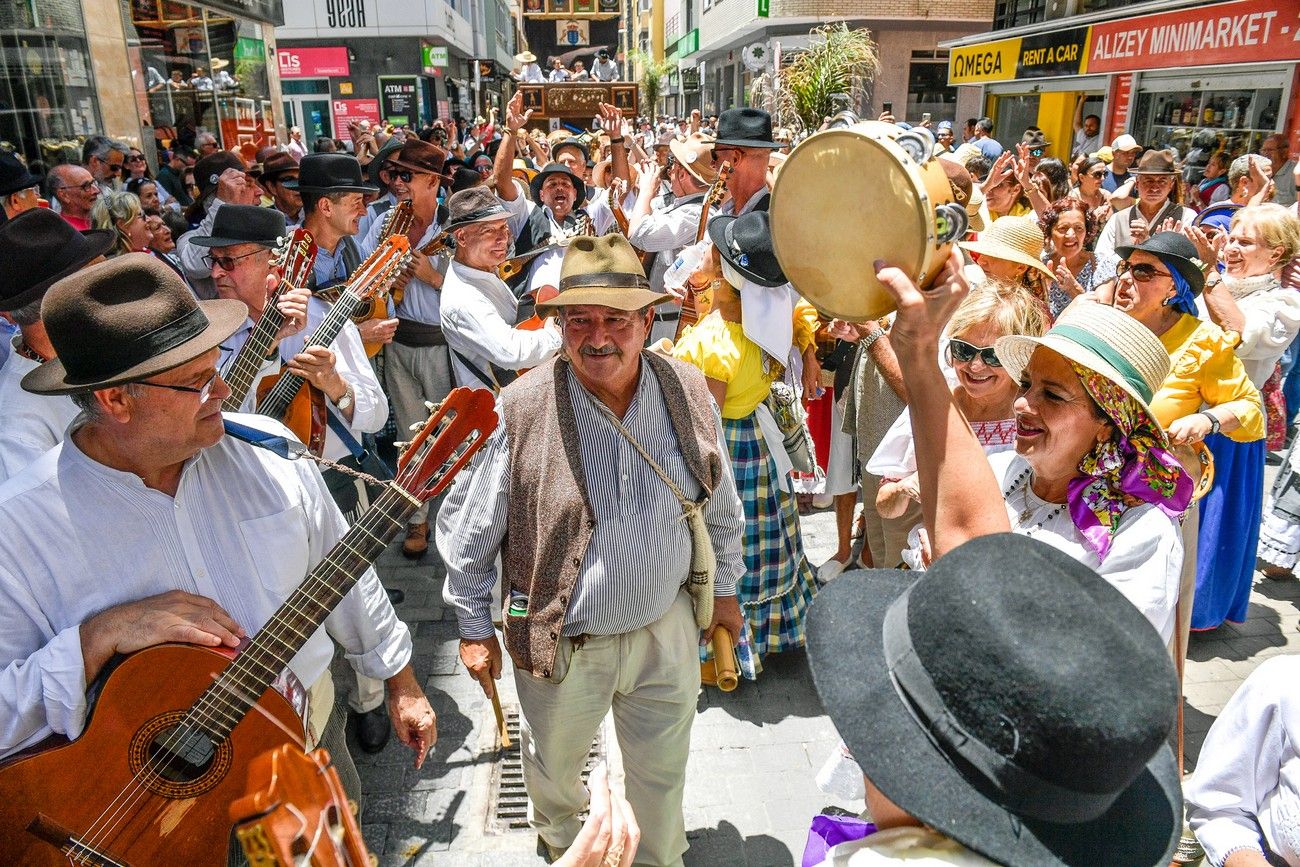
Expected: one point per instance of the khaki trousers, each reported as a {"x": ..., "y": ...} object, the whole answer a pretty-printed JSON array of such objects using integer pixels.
[
  {"x": 413, "y": 375},
  {"x": 651, "y": 679}
]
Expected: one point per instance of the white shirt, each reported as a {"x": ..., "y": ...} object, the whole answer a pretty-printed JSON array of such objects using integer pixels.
[
  {"x": 1247, "y": 781},
  {"x": 245, "y": 526},
  {"x": 197, "y": 273},
  {"x": 478, "y": 318},
  {"x": 369, "y": 404},
  {"x": 544, "y": 269},
  {"x": 1145, "y": 559},
  {"x": 420, "y": 301},
  {"x": 30, "y": 424},
  {"x": 666, "y": 231},
  {"x": 559, "y": 74},
  {"x": 1116, "y": 231},
  {"x": 531, "y": 74},
  {"x": 1272, "y": 319},
  {"x": 296, "y": 149}
]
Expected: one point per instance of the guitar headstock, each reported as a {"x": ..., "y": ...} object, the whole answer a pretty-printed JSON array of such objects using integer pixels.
[
  {"x": 297, "y": 259},
  {"x": 399, "y": 219},
  {"x": 381, "y": 267},
  {"x": 719, "y": 189},
  {"x": 458, "y": 427}
]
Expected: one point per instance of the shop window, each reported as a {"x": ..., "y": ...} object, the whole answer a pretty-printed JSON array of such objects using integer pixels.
[
  {"x": 47, "y": 94},
  {"x": 1012, "y": 116},
  {"x": 1016, "y": 13},
  {"x": 1239, "y": 119},
  {"x": 927, "y": 87}
]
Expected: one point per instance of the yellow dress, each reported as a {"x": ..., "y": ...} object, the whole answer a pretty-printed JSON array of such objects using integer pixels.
[{"x": 1204, "y": 371}]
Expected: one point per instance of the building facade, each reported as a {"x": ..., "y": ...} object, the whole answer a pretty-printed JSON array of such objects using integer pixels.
[
  {"x": 399, "y": 61},
  {"x": 149, "y": 72},
  {"x": 1163, "y": 71}
]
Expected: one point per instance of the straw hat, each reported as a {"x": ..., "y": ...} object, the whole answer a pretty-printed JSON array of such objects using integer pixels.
[
  {"x": 602, "y": 270},
  {"x": 694, "y": 155},
  {"x": 1016, "y": 239},
  {"x": 526, "y": 57},
  {"x": 1102, "y": 339}
]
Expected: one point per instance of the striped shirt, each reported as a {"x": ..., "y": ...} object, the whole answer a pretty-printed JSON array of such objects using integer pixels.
[{"x": 640, "y": 550}]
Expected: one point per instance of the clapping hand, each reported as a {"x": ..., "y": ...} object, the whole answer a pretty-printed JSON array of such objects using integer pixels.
[{"x": 647, "y": 182}]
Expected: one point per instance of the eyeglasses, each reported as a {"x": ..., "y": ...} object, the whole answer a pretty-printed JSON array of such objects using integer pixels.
[
  {"x": 204, "y": 392},
  {"x": 1098, "y": 175},
  {"x": 115, "y": 168},
  {"x": 1142, "y": 272},
  {"x": 227, "y": 263},
  {"x": 964, "y": 352},
  {"x": 85, "y": 188}
]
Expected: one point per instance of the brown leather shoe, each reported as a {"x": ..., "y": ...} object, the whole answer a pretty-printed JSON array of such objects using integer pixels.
[{"x": 417, "y": 540}]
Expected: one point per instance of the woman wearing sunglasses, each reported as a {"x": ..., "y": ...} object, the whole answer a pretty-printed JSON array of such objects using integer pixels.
[
  {"x": 1207, "y": 392},
  {"x": 1091, "y": 173},
  {"x": 981, "y": 388}
]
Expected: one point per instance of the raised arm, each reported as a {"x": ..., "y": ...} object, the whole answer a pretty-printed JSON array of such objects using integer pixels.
[{"x": 502, "y": 178}]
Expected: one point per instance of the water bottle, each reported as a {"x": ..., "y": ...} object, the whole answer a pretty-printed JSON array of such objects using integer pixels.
[{"x": 687, "y": 263}]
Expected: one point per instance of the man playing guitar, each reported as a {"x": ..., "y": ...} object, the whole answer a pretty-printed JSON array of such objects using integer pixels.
[{"x": 149, "y": 525}]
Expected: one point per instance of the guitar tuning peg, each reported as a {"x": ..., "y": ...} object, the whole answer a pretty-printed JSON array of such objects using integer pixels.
[
  {"x": 401, "y": 447},
  {"x": 416, "y": 426},
  {"x": 430, "y": 405}
]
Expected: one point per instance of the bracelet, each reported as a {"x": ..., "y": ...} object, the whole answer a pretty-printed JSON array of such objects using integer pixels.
[
  {"x": 870, "y": 340},
  {"x": 613, "y": 140}
]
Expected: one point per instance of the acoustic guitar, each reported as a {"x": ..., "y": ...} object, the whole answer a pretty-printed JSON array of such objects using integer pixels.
[
  {"x": 698, "y": 302},
  {"x": 293, "y": 262},
  {"x": 283, "y": 396},
  {"x": 512, "y": 267},
  {"x": 296, "y": 813},
  {"x": 170, "y": 740},
  {"x": 397, "y": 221}
]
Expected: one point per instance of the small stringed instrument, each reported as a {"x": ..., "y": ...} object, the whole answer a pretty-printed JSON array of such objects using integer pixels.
[
  {"x": 282, "y": 396},
  {"x": 697, "y": 303},
  {"x": 177, "y": 726},
  {"x": 397, "y": 221},
  {"x": 296, "y": 813},
  {"x": 618, "y": 192},
  {"x": 293, "y": 262},
  {"x": 512, "y": 266}
]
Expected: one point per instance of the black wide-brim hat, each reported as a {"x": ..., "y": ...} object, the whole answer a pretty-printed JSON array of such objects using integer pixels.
[
  {"x": 1022, "y": 617},
  {"x": 244, "y": 224},
  {"x": 14, "y": 175},
  {"x": 746, "y": 128},
  {"x": 330, "y": 173},
  {"x": 37, "y": 249},
  {"x": 745, "y": 243},
  {"x": 558, "y": 169},
  {"x": 125, "y": 320},
  {"x": 1176, "y": 251}
]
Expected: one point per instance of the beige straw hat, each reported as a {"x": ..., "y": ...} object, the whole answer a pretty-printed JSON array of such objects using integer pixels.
[
  {"x": 1102, "y": 339},
  {"x": 1016, "y": 239},
  {"x": 695, "y": 154},
  {"x": 602, "y": 270}
]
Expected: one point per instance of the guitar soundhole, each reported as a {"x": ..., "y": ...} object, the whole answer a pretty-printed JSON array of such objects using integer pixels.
[{"x": 175, "y": 760}]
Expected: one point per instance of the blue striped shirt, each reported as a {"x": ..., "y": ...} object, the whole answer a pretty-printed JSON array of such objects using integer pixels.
[{"x": 640, "y": 550}]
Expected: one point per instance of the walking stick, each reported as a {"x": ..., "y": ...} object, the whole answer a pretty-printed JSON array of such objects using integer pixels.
[{"x": 501, "y": 719}]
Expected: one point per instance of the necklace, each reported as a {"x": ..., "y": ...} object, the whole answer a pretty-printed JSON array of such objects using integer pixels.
[{"x": 1029, "y": 510}]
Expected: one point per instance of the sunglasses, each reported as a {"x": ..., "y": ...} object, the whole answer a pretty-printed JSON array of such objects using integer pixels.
[
  {"x": 964, "y": 352},
  {"x": 1142, "y": 272},
  {"x": 1035, "y": 152},
  {"x": 406, "y": 175},
  {"x": 227, "y": 263},
  {"x": 135, "y": 159},
  {"x": 1098, "y": 175}
]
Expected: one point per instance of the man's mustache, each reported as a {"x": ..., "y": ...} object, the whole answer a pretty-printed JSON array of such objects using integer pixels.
[{"x": 599, "y": 352}]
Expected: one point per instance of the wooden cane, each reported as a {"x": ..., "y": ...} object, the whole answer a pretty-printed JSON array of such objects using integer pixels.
[
  {"x": 724, "y": 660},
  {"x": 501, "y": 719}
]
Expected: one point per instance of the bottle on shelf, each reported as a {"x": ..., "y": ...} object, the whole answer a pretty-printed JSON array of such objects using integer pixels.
[
  {"x": 1219, "y": 112},
  {"x": 1231, "y": 114},
  {"x": 1207, "y": 114},
  {"x": 1189, "y": 112}
]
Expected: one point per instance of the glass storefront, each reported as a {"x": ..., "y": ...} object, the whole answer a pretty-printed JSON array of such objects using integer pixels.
[
  {"x": 1240, "y": 118},
  {"x": 202, "y": 71},
  {"x": 47, "y": 87}
]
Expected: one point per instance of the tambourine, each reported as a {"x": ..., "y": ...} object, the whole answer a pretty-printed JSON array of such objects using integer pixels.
[{"x": 854, "y": 193}]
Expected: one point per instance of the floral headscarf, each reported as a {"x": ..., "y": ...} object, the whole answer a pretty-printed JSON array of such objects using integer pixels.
[{"x": 1125, "y": 471}]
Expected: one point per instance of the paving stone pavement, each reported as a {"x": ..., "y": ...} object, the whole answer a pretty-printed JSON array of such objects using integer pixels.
[{"x": 750, "y": 789}]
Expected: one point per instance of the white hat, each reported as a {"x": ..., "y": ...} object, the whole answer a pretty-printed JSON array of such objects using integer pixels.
[{"x": 1125, "y": 142}]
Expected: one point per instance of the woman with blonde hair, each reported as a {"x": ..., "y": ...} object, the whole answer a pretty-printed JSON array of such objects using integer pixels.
[
  {"x": 980, "y": 386},
  {"x": 121, "y": 212}
]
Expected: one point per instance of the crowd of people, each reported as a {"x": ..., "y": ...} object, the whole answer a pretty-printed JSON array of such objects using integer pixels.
[{"x": 1051, "y": 458}]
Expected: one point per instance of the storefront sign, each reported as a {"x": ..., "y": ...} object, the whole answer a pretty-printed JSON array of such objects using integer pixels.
[
  {"x": 348, "y": 110},
  {"x": 252, "y": 50},
  {"x": 1249, "y": 31},
  {"x": 326, "y": 62},
  {"x": 764, "y": 8},
  {"x": 1121, "y": 100},
  {"x": 433, "y": 57},
  {"x": 399, "y": 99},
  {"x": 990, "y": 61},
  {"x": 690, "y": 79}
]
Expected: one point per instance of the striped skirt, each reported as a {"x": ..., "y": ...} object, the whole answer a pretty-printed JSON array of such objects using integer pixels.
[{"x": 779, "y": 582}]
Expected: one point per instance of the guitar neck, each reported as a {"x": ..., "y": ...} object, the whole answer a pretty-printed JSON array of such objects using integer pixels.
[
  {"x": 242, "y": 683},
  {"x": 276, "y": 403},
  {"x": 243, "y": 370}
]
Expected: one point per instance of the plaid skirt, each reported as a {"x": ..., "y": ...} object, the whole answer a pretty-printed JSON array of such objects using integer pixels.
[{"x": 779, "y": 582}]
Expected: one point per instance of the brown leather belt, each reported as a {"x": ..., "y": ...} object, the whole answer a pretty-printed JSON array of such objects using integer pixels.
[{"x": 418, "y": 334}]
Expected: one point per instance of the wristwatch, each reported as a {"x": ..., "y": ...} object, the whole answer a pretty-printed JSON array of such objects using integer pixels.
[
  {"x": 1214, "y": 421},
  {"x": 345, "y": 400}
]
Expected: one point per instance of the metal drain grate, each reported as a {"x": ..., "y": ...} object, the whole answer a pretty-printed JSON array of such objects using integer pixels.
[{"x": 509, "y": 799}]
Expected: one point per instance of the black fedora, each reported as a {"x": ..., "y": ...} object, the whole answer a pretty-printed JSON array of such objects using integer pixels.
[
  {"x": 125, "y": 320},
  {"x": 473, "y": 205},
  {"x": 1009, "y": 698},
  {"x": 745, "y": 128},
  {"x": 558, "y": 169},
  {"x": 39, "y": 248},
  {"x": 330, "y": 173},
  {"x": 462, "y": 178},
  {"x": 745, "y": 243},
  {"x": 1176, "y": 251},
  {"x": 14, "y": 175},
  {"x": 244, "y": 224},
  {"x": 208, "y": 170}
]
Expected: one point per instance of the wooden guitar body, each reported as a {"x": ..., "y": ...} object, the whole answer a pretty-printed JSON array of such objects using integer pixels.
[
  {"x": 76, "y": 786},
  {"x": 307, "y": 415}
]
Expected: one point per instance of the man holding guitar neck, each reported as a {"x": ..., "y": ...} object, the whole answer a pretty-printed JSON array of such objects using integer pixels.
[
  {"x": 417, "y": 368},
  {"x": 149, "y": 525}
]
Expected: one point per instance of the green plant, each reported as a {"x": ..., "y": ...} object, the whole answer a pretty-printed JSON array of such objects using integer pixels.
[
  {"x": 838, "y": 61},
  {"x": 653, "y": 73}
]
